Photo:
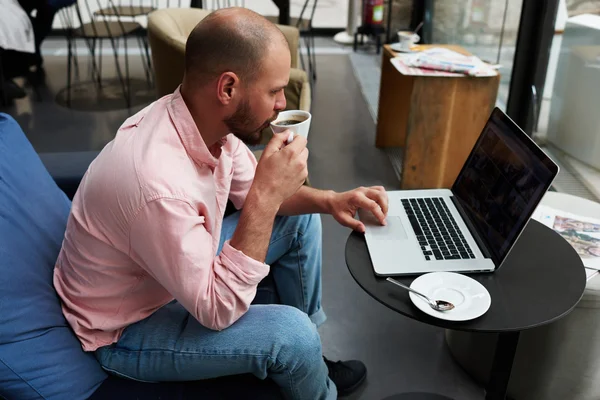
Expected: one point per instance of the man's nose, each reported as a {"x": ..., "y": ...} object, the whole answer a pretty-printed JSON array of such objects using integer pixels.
[{"x": 280, "y": 102}]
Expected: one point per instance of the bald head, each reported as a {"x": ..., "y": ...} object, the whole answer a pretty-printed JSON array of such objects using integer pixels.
[{"x": 237, "y": 40}]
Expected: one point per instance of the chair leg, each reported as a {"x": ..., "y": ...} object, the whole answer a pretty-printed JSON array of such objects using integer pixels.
[
  {"x": 75, "y": 60},
  {"x": 301, "y": 55},
  {"x": 100, "y": 62},
  {"x": 314, "y": 54},
  {"x": 69, "y": 61},
  {"x": 145, "y": 59},
  {"x": 309, "y": 54},
  {"x": 148, "y": 60},
  {"x": 140, "y": 46},
  {"x": 127, "y": 80},
  {"x": 118, "y": 67},
  {"x": 92, "y": 49},
  {"x": 93, "y": 52}
]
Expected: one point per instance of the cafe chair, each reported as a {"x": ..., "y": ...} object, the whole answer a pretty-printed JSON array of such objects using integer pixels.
[{"x": 82, "y": 22}]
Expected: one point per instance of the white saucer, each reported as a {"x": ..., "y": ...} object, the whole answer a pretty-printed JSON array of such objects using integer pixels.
[
  {"x": 396, "y": 48},
  {"x": 470, "y": 298}
]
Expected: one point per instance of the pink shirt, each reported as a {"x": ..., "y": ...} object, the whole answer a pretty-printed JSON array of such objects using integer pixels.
[{"x": 144, "y": 228}]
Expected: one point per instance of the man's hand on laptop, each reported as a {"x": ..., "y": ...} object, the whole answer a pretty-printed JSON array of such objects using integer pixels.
[{"x": 344, "y": 206}]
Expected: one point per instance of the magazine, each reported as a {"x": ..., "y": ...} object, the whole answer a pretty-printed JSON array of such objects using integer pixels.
[
  {"x": 442, "y": 62},
  {"x": 582, "y": 233}
]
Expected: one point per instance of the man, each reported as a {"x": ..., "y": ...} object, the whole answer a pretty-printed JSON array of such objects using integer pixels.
[
  {"x": 21, "y": 37},
  {"x": 147, "y": 228},
  {"x": 17, "y": 45},
  {"x": 45, "y": 10}
]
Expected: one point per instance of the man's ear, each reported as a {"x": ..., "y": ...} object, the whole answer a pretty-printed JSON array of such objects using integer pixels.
[{"x": 227, "y": 87}]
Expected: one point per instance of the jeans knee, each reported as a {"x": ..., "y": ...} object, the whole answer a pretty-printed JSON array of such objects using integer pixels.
[
  {"x": 306, "y": 224},
  {"x": 298, "y": 338}
]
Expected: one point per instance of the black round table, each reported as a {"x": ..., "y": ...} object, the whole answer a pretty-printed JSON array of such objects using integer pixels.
[{"x": 541, "y": 281}]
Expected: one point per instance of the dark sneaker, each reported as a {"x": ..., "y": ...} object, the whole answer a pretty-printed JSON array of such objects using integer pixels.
[
  {"x": 347, "y": 375},
  {"x": 13, "y": 91}
]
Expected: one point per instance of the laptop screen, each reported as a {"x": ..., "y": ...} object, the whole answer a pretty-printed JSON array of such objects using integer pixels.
[{"x": 502, "y": 182}]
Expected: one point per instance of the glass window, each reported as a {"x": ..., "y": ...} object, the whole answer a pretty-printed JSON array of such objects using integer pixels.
[{"x": 486, "y": 28}]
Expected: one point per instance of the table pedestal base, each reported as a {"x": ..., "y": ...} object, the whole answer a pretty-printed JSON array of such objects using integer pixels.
[
  {"x": 343, "y": 38},
  {"x": 506, "y": 348}
]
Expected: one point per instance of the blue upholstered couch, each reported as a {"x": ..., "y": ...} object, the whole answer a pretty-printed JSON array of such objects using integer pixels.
[{"x": 40, "y": 358}]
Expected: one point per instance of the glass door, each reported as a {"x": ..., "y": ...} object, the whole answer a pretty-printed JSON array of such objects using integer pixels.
[{"x": 486, "y": 28}]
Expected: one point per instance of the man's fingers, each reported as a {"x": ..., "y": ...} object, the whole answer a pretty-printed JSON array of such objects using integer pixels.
[
  {"x": 304, "y": 154},
  {"x": 297, "y": 145},
  {"x": 380, "y": 197},
  {"x": 352, "y": 223},
  {"x": 277, "y": 142},
  {"x": 378, "y": 188},
  {"x": 371, "y": 205},
  {"x": 289, "y": 138}
]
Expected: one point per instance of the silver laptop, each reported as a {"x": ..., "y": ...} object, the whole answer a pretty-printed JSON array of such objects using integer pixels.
[{"x": 472, "y": 226}]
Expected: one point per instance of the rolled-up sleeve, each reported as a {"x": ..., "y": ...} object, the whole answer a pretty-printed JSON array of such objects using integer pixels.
[
  {"x": 244, "y": 168},
  {"x": 170, "y": 241}
]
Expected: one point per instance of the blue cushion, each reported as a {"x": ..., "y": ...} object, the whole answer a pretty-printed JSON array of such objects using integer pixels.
[{"x": 40, "y": 357}]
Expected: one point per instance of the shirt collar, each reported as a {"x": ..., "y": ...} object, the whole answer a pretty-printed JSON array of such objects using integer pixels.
[{"x": 189, "y": 134}]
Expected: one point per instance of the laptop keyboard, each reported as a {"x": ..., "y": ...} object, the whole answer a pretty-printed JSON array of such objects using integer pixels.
[{"x": 436, "y": 230}]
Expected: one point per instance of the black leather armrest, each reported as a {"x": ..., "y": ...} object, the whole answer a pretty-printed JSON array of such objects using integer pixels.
[{"x": 67, "y": 169}]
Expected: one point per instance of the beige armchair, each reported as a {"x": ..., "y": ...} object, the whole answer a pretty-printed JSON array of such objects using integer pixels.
[{"x": 168, "y": 30}]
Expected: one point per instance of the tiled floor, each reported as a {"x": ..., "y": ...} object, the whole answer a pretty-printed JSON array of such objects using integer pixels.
[
  {"x": 54, "y": 128},
  {"x": 402, "y": 355}
]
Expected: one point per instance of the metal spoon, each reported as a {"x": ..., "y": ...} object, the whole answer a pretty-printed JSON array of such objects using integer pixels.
[
  {"x": 418, "y": 27},
  {"x": 438, "y": 305}
]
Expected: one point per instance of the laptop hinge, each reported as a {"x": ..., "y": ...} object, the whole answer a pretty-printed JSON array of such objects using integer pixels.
[{"x": 478, "y": 239}]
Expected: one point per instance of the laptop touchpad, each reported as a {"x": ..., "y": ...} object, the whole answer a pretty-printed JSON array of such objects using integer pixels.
[{"x": 393, "y": 230}]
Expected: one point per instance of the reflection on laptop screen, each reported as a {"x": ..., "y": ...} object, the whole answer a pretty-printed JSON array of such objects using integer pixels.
[{"x": 502, "y": 182}]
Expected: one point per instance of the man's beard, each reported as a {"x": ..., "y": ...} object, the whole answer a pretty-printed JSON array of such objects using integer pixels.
[{"x": 243, "y": 125}]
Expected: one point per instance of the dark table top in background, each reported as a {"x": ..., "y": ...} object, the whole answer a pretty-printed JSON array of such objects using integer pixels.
[{"x": 542, "y": 279}]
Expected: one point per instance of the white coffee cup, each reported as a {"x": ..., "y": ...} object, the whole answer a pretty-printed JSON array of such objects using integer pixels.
[
  {"x": 407, "y": 39},
  {"x": 300, "y": 128}
]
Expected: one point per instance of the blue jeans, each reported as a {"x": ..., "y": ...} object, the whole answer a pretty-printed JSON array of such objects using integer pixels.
[{"x": 279, "y": 341}]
